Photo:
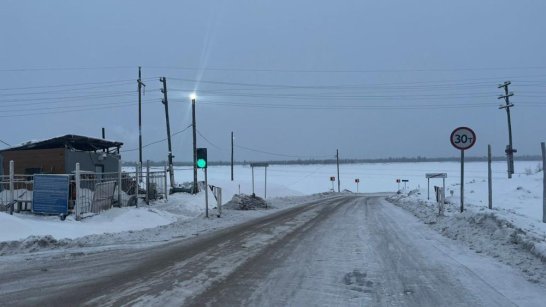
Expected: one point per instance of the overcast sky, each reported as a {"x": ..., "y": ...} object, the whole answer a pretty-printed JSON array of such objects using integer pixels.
[{"x": 291, "y": 79}]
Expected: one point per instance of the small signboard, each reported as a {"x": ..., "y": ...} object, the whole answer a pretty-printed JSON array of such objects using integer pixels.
[
  {"x": 357, "y": 180},
  {"x": 50, "y": 194},
  {"x": 436, "y": 175},
  {"x": 332, "y": 178},
  {"x": 397, "y": 180}
]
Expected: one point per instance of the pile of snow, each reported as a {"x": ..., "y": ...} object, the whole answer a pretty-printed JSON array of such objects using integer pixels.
[
  {"x": 246, "y": 202},
  {"x": 484, "y": 231}
]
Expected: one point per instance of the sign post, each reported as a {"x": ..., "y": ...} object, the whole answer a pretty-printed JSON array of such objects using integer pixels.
[
  {"x": 462, "y": 138},
  {"x": 357, "y": 180},
  {"x": 332, "y": 179}
]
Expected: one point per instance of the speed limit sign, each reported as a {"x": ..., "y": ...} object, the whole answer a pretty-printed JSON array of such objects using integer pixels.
[{"x": 463, "y": 138}]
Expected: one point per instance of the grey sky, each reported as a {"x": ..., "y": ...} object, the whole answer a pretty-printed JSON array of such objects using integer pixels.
[{"x": 299, "y": 78}]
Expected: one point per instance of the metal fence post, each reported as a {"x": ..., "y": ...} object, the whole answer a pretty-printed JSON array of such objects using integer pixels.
[
  {"x": 77, "y": 190},
  {"x": 147, "y": 182},
  {"x": 166, "y": 188},
  {"x": 11, "y": 181},
  {"x": 119, "y": 183}
]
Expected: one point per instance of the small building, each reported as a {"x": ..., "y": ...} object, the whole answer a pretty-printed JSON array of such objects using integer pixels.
[{"x": 59, "y": 156}]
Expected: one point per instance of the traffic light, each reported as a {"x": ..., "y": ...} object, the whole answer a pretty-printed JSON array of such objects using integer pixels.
[{"x": 201, "y": 160}]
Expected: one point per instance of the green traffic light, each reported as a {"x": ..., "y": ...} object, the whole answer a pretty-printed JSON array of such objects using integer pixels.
[{"x": 201, "y": 163}]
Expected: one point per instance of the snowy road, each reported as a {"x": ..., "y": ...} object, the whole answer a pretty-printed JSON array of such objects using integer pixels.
[{"x": 346, "y": 250}]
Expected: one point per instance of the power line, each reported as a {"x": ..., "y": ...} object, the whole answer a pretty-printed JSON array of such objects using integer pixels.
[
  {"x": 211, "y": 143},
  {"x": 158, "y": 141},
  {"x": 5, "y": 143},
  {"x": 277, "y": 154}
]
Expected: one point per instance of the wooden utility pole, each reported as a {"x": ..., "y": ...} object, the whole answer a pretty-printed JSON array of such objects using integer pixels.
[
  {"x": 140, "y": 85},
  {"x": 165, "y": 102},
  {"x": 489, "y": 177},
  {"x": 509, "y": 149},
  {"x": 231, "y": 155},
  {"x": 338, "y": 179}
]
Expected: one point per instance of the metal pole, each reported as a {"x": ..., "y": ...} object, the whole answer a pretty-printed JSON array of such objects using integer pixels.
[
  {"x": 165, "y": 102},
  {"x": 139, "y": 81},
  {"x": 489, "y": 177},
  {"x": 265, "y": 186},
  {"x": 147, "y": 182},
  {"x": 206, "y": 194},
  {"x": 119, "y": 183},
  {"x": 231, "y": 155},
  {"x": 11, "y": 181},
  {"x": 77, "y": 191},
  {"x": 543, "y": 182},
  {"x": 338, "y": 179},
  {"x": 195, "y": 189},
  {"x": 252, "y": 180},
  {"x": 166, "y": 190},
  {"x": 462, "y": 181}
]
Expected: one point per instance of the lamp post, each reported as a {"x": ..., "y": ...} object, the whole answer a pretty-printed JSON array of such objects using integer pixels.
[{"x": 194, "y": 189}]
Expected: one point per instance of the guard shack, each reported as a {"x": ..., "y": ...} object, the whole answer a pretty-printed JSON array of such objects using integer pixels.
[{"x": 59, "y": 156}]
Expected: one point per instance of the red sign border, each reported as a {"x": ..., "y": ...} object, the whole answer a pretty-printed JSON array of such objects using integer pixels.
[{"x": 455, "y": 130}]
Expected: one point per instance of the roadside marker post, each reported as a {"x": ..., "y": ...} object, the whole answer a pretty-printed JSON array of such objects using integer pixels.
[
  {"x": 462, "y": 138},
  {"x": 543, "y": 182},
  {"x": 357, "y": 181},
  {"x": 332, "y": 179}
]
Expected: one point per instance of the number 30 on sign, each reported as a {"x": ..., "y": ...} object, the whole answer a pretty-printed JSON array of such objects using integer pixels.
[{"x": 463, "y": 138}]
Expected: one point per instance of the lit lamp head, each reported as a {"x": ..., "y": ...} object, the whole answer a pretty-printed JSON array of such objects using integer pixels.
[{"x": 193, "y": 96}]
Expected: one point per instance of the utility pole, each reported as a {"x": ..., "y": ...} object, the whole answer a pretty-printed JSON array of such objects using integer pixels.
[
  {"x": 194, "y": 189},
  {"x": 231, "y": 155},
  {"x": 165, "y": 102},
  {"x": 140, "y": 85},
  {"x": 509, "y": 149},
  {"x": 338, "y": 179}
]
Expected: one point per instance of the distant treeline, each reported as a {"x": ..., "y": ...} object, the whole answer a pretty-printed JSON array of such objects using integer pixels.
[{"x": 348, "y": 161}]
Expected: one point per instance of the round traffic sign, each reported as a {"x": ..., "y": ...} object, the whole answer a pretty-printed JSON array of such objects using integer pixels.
[{"x": 463, "y": 138}]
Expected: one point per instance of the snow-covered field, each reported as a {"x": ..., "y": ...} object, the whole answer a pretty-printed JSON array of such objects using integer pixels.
[{"x": 518, "y": 200}]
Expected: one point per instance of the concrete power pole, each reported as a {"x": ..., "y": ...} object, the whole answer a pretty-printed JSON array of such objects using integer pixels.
[
  {"x": 140, "y": 85},
  {"x": 165, "y": 102},
  {"x": 195, "y": 189},
  {"x": 338, "y": 179},
  {"x": 509, "y": 149}
]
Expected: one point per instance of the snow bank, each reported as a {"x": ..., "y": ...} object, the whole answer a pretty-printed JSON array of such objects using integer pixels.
[{"x": 484, "y": 231}]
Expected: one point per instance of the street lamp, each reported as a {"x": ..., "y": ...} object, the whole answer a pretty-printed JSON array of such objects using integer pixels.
[{"x": 193, "y": 96}]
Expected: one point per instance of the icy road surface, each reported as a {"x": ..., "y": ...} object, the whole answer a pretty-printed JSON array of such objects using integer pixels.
[{"x": 348, "y": 250}]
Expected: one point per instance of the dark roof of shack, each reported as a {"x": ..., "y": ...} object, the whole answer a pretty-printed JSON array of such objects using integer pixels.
[{"x": 70, "y": 141}]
